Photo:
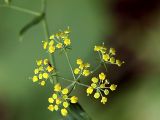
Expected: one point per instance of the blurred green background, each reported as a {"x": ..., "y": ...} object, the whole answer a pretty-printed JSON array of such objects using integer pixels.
[{"x": 132, "y": 27}]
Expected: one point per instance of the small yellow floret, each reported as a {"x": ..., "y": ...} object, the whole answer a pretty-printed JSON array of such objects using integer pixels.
[
  {"x": 97, "y": 95},
  {"x": 45, "y": 75},
  {"x": 76, "y": 71},
  {"x": 89, "y": 90},
  {"x": 59, "y": 45},
  {"x": 64, "y": 112},
  {"x": 102, "y": 76},
  {"x": 105, "y": 57},
  {"x": 86, "y": 72},
  {"x": 65, "y": 104},
  {"x": 65, "y": 91},
  {"x": 113, "y": 87},
  {"x": 45, "y": 61},
  {"x": 94, "y": 80},
  {"x": 49, "y": 68},
  {"x": 43, "y": 83},
  {"x": 54, "y": 96},
  {"x": 50, "y": 100},
  {"x": 57, "y": 87},
  {"x": 51, "y": 49},
  {"x": 39, "y": 62},
  {"x": 74, "y": 99},
  {"x": 51, "y": 107},
  {"x": 36, "y": 71},
  {"x": 79, "y": 61},
  {"x": 103, "y": 100},
  {"x": 67, "y": 41},
  {"x": 45, "y": 45},
  {"x": 35, "y": 79}
]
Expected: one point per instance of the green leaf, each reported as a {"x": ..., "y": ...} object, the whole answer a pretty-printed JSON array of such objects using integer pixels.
[
  {"x": 33, "y": 22},
  {"x": 76, "y": 112}
]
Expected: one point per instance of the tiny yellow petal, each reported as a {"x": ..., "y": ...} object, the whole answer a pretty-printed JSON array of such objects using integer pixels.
[
  {"x": 64, "y": 112},
  {"x": 97, "y": 95},
  {"x": 67, "y": 41},
  {"x": 35, "y": 79},
  {"x": 45, "y": 61},
  {"x": 51, "y": 49},
  {"x": 76, "y": 71},
  {"x": 59, "y": 45},
  {"x": 57, "y": 87},
  {"x": 56, "y": 107},
  {"x": 45, "y": 45},
  {"x": 45, "y": 75},
  {"x": 86, "y": 72},
  {"x": 102, "y": 76},
  {"x": 106, "y": 92},
  {"x": 40, "y": 76},
  {"x": 36, "y": 71},
  {"x": 54, "y": 96},
  {"x": 51, "y": 107},
  {"x": 43, "y": 83},
  {"x": 39, "y": 62},
  {"x": 58, "y": 101},
  {"x": 113, "y": 87},
  {"x": 65, "y": 104},
  {"x": 94, "y": 80},
  {"x": 89, "y": 90},
  {"x": 74, "y": 99},
  {"x": 103, "y": 100},
  {"x": 105, "y": 57},
  {"x": 50, "y": 100},
  {"x": 49, "y": 68},
  {"x": 79, "y": 61},
  {"x": 65, "y": 91}
]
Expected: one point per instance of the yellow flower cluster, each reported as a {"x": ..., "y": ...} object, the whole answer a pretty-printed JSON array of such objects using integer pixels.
[
  {"x": 108, "y": 56},
  {"x": 58, "y": 41},
  {"x": 42, "y": 71},
  {"x": 82, "y": 69},
  {"x": 61, "y": 100},
  {"x": 101, "y": 87}
]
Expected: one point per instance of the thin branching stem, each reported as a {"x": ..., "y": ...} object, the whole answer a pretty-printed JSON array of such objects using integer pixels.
[{"x": 21, "y": 9}]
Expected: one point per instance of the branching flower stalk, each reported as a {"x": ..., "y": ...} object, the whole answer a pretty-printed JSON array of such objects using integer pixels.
[{"x": 45, "y": 69}]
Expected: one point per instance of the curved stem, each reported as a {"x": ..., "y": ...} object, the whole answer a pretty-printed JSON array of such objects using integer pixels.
[{"x": 21, "y": 9}]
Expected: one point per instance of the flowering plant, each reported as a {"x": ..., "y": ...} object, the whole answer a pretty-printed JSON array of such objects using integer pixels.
[{"x": 61, "y": 97}]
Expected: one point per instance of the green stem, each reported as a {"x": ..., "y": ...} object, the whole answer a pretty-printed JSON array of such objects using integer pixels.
[
  {"x": 21, "y": 9},
  {"x": 69, "y": 63}
]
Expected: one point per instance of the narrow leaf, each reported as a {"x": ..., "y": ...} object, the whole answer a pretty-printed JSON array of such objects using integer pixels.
[
  {"x": 33, "y": 22},
  {"x": 76, "y": 112}
]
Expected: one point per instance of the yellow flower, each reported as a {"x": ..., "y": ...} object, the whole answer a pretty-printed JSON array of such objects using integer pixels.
[
  {"x": 97, "y": 48},
  {"x": 40, "y": 68},
  {"x": 56, "y": 107},
  {"x": 64, "y": 112},
  {"x": 87, "y": 65},
  {"x": 67, "y": 41},
  {"x": 79, "y": 61},
  {"x": 119, "y": 63},
  {"x": 36, "y": 71},
  {"x": 40, "y": 76},
  {"x": 59, "y": 45},
  {"x": 86, "y": 72},
  {"x": 51, "y": 107},
  {"x": 57, "y": 87},
  {"x": 94, "y": 80},
  {"x": 103, "y": 100},
  {"x": 45, "y": 61},
  {"x": 65, "y": 104},
  {"x": 113, "y": 87},
  {"x": 102, "y": 86},
  {"x": 39, "y": 62},
  {"x": 65, "y": 91},
  {"x": 105, "y": 57},
  {"x": 45, "y": 75},
  {"x": 51, "y": 37},
  {"x": 51, "y": 43},
  {"x": 94, "y": 85},
  {"x": 89, "y": 90},
  {"x": 112, "y": 51},
  {"x": 81, "y": 66},
  {"x": 102, "y": 76},
  {"x": 58, "y": 101},
  {"x": 74, "y": 99},
  {"x": 97, "y": 95},
  {"x": 106, "y": 92},
  {"x": 51, "y": 49},
  {"x": 45, "y": 45},
  {"x": 43, "y": 83},
  {"x": 54, "y": 96},
  {"x": 49, "y": 68},
  {"x": 112, "y": 60},
  {"x": 76, "y": 71},
  {"x": 35, "y": 79},
  {"x": 50, "y": 100}
]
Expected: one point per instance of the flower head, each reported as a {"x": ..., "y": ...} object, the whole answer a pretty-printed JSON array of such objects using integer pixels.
[
  {"x": 100, "y": 87},
  {"x": 42, "y": 71},
  {"x": 61, "y": 100}
]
